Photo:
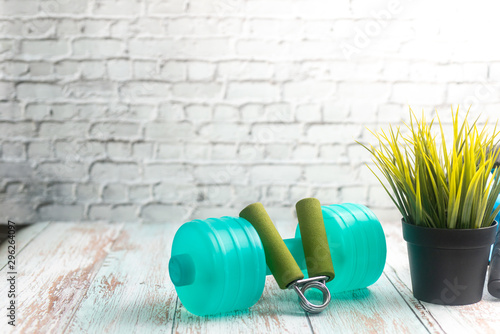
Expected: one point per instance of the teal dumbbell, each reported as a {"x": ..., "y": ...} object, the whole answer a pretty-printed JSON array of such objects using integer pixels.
[{"x": 218, "y": 265}]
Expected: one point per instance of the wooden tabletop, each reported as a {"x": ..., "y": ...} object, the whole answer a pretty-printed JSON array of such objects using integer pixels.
[{"x": 113, "y": 278}]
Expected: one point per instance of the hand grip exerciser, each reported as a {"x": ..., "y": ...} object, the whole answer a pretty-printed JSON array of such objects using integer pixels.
[
  {"x": 280, "y": 261},
  {"x": 218, "y": 265}
]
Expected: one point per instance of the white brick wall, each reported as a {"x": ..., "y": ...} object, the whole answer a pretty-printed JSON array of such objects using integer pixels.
[{"x": 168, "y": 110}]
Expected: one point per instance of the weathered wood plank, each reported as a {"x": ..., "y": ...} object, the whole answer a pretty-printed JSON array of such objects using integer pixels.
[
  {"x": 22, "y": 238},
  {"x": 131, "y": 292},
  {"x": 397, "y": 254},
  {"x": 481, "y": 317},
  {"x": 415, "y": 305},
  {"x": 277, "y": 311},
  {"x": 397, "y": 270},
  {"x": 378, "y": 309},
  {"x": 54, "y": 272},
  {"x": 92, "y": 278}
]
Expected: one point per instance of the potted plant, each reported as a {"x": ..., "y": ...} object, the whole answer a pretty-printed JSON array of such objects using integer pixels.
[{"x": 446, "y": 195}]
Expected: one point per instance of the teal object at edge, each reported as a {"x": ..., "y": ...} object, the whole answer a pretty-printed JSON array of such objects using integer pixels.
[{"x": 497, "y": 203}]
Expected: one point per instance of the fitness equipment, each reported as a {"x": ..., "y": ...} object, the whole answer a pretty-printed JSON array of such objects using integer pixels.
[
  {"x": 281, "y": 262},
  {"x": 218, "y": 264}
]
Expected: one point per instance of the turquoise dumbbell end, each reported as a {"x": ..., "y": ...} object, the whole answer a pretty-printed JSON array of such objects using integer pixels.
[
  {"x": 218, "y": 265},
  {"x": 182, "y": 270}
]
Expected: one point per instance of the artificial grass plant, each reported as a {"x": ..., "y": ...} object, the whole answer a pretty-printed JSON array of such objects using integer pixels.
[{"x": 436, "y": 186}]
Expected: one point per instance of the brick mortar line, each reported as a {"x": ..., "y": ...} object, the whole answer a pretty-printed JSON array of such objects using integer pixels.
[{"x": 218, "y": 15}]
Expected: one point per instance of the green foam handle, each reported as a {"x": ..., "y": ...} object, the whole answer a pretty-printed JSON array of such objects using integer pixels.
[
  {"x": 278, "y": 258},
  {"x": 314, "y": 240}
]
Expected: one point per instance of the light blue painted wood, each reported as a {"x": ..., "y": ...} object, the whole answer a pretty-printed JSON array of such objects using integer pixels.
[
  {"x": 95, "y": 278},
  {"x": 131, "y": 292},
  {"x": 22, "y": 238},
  {"x": 377, "y": 309},
  {"x": 54, "y": 271}
]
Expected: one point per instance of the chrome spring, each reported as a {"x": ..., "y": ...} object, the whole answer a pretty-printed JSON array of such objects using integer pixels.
[{"x": 301, "y": 286}]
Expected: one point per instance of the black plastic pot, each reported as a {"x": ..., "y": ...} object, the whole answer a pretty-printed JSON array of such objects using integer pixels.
[{"x": 448, "y": 266}]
